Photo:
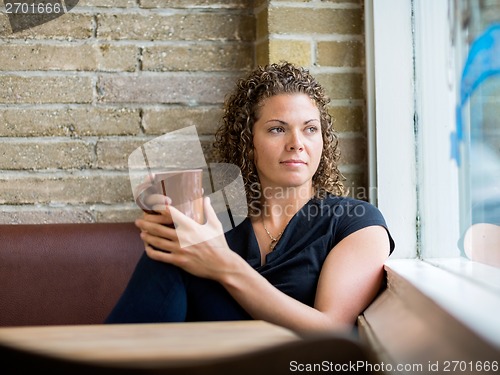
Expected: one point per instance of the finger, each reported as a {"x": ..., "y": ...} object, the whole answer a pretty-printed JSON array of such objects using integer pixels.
[
  {"x": 180, "y": 219},
  {"x": 157, "y": 199},
  {"x": 159, "y": 255},
  {"x": 160, "y": 203},
  {"x": 211, "y": 217},
  {"x": 161, "y": 215},
  {"x": 160, "y": 243},
  {"x": 159, "y": 230},
  {"x": 209, "y": 210},
  {"x": 155, "y": 218},
  {"x": 141, "y": 194}
]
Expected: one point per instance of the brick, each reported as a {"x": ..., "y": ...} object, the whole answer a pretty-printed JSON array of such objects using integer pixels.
[
  {"x": 113, "y": 153},
  {"x": 340, "y": 54},
  {"x": 163, "y": 120},
  {"x": 70, "y": 26},
  {"x": 192, "y": 57},
  {"x": 179, "y": 88},
  {"x": 173, "y": 152},
  {"x": 343, "y": 85},
  {"x": 208, "y": 149},
  {"x": 262, "y": 53},
  {"x": 194, "y": 3},
  {"x": 262, "y": 24},
  {"x": 108, "y": 3},
  {"x": 86, "y": 57},
  {"x": 112, "y": 213},
  {"x": 289, "y": 20},
  {"x": 65, "y": 89},
  {"x": 44, "y": 215},
  {"x": 46, "y": 154},
  {"x": 352, "y": 150},
  {"x": 57, "y": 188},
  {"x": 294, "y": 51},
  {"x": 356, "y": 185},
  {"x": 43, "y": 57},
  {"x": 75, "y": 122},
  {"x": 116, "y": 213},
  {"x": 198, "y": 50},
  {"x": 311, "y": 1},
  {"x": 360, "y": 2},
  {"x": 190, "y": 26},
  {"x": 348, "y": 119},
  {"x": 115, "y": 58}
]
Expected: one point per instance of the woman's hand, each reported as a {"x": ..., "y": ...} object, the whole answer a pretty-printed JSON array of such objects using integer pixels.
[
  {"x": 200, "y": 249},
  {"x": 153, "y": 203}
]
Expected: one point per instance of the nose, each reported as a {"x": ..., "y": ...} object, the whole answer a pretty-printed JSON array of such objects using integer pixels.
[{"x": 295, "y": 142}]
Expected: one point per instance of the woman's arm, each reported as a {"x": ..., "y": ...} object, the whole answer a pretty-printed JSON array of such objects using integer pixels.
[{"x": 350, "y": 278}]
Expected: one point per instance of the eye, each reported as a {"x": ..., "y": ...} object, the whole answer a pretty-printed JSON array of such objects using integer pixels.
[
  {"x": 312, "y": 129},
  {"x": 276, "y": 129}
]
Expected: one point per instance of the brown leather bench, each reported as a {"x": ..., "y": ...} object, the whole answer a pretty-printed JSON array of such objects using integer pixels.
[
  {"x": 67, "y": 274},
  {"x": 53, "y": 274}
]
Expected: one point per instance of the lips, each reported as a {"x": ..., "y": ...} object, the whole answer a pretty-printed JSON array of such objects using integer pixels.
[{"x": 293, "y": 162}]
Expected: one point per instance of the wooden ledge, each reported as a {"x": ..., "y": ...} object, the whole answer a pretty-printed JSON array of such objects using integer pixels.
[{"x": 428, "y": 316}]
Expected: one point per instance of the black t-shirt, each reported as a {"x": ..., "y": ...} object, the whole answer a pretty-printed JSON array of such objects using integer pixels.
[{"x": 295, "y": 263}]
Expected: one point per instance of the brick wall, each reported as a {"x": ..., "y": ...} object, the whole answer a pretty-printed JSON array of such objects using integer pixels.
[{"x": 80, "y": 92}]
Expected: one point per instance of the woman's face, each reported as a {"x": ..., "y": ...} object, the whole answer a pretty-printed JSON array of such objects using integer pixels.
[{"x": 287, "y": 141}]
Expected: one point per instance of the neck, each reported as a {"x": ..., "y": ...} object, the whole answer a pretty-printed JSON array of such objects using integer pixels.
[{"x": 280, "y": 204}]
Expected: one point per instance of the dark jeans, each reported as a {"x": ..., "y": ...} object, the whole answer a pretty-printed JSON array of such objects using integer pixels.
[{"x": 160, "y": 292}]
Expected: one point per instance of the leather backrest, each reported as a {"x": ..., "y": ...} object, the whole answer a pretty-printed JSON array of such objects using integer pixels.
[{"x": 52, "y": 274}]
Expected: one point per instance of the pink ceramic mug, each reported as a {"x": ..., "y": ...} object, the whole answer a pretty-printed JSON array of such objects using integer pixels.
[{"x": 183, "y": 187}]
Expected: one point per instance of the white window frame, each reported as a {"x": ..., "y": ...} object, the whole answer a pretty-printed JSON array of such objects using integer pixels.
[
  {"x": 411, "y": 96},
  {"x": 390, "y": 100}
]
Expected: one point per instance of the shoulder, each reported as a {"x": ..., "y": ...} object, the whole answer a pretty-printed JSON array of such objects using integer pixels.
[
  {"x": 347, "y": 208},
  {"x": 347, "y": 215}
]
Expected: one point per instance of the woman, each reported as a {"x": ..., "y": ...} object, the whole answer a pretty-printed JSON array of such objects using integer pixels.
[{"x": 306, "y": 258}]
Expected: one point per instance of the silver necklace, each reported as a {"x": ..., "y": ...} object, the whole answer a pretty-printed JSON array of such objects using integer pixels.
[{"x": 274, "y": 240}]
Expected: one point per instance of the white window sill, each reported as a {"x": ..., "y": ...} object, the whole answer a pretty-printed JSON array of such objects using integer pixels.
[
  {"x": 475, "y": 304},
  {"x": 429, "y": 315},
  {"x": 487, "y": 276}
]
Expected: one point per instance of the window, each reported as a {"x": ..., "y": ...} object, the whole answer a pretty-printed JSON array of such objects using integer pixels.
[
  {"x": 433, "y": 182},
  {"x": 457, "y": 135},
  {"x": 476, "y": 142}
]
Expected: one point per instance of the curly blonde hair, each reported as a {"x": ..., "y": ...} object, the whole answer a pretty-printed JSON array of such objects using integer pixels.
[{"x": 234, "y": 139}]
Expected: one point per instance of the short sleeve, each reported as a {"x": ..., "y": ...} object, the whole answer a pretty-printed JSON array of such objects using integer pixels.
[{"x": 354, "y": 215}]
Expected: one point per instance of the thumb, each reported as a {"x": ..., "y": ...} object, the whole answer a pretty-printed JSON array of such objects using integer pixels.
[{"x": 210, "y": 214}]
